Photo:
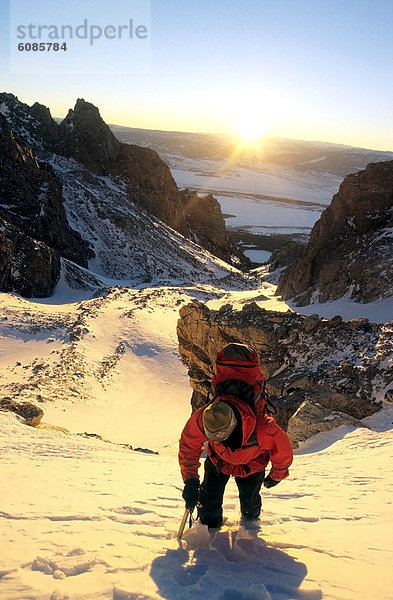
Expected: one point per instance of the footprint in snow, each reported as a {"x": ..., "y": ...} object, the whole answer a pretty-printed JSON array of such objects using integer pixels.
[{"x": 233, "y": 565}]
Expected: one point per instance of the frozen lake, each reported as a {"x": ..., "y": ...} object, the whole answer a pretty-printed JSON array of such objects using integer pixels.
[{"x": 267, "y": 199}]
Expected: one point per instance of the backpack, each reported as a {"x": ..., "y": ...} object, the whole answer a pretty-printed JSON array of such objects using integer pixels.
[{"x": 238, "y": 373}]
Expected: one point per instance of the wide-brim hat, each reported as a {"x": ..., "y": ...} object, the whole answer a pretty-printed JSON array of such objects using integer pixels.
[{"x": 218, "y": 421}]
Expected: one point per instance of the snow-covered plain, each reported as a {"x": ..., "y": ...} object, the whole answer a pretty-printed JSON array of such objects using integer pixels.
[
  {"x": 255, "y": 194},
  {"x": 275, "y": 186},
  {"x": 84, "y": 518},
  {"x": 261, "y": 198}
]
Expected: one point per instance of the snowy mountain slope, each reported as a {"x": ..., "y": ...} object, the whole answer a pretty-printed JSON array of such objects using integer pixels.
[
  {"x": 128, "y": 243},
  {"x": 94, "y": 364},
  {"x": 76, "y": 179},
  {"x": 89, "y": 520},
  {"x": 85, "y": 519}
]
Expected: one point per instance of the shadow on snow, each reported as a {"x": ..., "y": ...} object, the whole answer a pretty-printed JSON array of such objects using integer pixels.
[{"x": 235, "y": 566}]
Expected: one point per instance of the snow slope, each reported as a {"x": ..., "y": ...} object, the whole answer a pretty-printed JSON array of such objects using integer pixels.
[
  {"x": 81, "y": 518},
  {"x": 129, "y": 244},
  {"x": 98, "y": 363},
  {"x": 87, "y": 520}
]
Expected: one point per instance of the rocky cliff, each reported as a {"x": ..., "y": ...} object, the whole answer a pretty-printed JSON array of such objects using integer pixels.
[
  {"x": 87, "y": 138},
  {"x": 203, "y": 223},
  {"x": 83, "y": 136},
  {"x": 31, "y": 198},
  {"x": 339, "y": 365},
  {"x": 27, "y": 266},
  {"x": 34, "y": 230},
  {"x": 350, "y": 249},
  {"x": 77, "y": 193}
]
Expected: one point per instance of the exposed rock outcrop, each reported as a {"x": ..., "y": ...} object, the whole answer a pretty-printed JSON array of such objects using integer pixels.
[
  {"x": 33, "y": 124},
  {"x": 31, "y": 198},
  {"x": 203, "y": 223},
  {"x": 31, "y": 413},
  {"x": 27, "y": 266},
  {"x": 350, "y": 250},
  {"x": 35, "y": 268},
  {"x": 343, "y": 366},
  {"x": 85, "y": 137},
  {"x": 312, "y": 418},
  {"x": 287, "y": 255}
]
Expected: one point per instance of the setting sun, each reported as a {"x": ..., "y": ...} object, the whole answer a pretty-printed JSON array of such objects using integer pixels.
[
  {"x": 251, "y": 127},
  {"x": 252, "y": 114}
]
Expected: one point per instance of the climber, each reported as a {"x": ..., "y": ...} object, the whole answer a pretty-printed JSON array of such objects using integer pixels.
[{"x": 242, "y": 439}]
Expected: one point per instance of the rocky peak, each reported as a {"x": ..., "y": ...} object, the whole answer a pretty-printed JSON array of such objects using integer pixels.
[
  {"x": 32, "y": 123},
  {"x": 84, "y": 137},
  {"x": 350, "y": 247},
  {"x": 363, "y": 203},
  {"x": 88, "y": 139}
]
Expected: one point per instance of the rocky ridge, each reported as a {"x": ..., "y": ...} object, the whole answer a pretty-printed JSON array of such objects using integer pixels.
[
  {"x": 341, "y": 366},
  {"x": 31, "y": 197},
  {"x": 45, "y": 153},
  {"x": 350, "y": 249}
]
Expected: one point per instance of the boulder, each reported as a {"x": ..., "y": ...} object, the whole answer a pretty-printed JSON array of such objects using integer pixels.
[
  {"x": 312, "y": 418},
  {"x": 31, "y": 413}
]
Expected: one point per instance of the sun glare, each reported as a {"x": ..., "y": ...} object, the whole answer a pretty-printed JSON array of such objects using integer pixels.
[{"x": 251, "y": 127}]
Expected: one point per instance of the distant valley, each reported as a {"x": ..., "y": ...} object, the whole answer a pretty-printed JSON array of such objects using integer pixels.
[{"x": 268, "y": 197}]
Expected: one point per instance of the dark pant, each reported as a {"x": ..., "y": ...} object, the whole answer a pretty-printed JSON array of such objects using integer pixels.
[{"x": 212, "y": 489}]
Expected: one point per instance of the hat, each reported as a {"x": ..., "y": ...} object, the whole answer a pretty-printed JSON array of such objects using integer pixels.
[{"x": 218, "y": 421}]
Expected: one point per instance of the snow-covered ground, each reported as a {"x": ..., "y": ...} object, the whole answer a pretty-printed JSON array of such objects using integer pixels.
[
  {"x": 90, "y": 520},
  {"x": 256, "y": 194},
  {"x": 259, "y": 178},
  {"x": 262, "y": 198},
  {"x": 257, "y": 256},
  {"x": 82, "y": 518}
]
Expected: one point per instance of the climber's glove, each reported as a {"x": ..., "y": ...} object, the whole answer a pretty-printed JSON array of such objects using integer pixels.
[
  {"x": 269, "y": 482},
  {"x": 191, "y": 493}
]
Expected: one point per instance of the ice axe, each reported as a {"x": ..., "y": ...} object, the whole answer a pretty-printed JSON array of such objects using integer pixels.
[{"x": 187, "y": 513}]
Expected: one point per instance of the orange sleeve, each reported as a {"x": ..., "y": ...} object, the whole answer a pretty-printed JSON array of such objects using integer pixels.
[
  {"x": 191, "y": 444},
  {"x": 280, "y": 451}
]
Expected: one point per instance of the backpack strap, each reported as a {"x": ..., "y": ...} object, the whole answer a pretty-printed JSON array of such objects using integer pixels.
[{"x": 270, "y": 408}]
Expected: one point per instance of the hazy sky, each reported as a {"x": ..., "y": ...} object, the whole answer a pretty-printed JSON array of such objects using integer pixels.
[{"x": 306, "y": 69}]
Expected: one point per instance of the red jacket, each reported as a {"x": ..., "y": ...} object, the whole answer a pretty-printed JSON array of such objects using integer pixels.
[{"x": 268, "y": 443}]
